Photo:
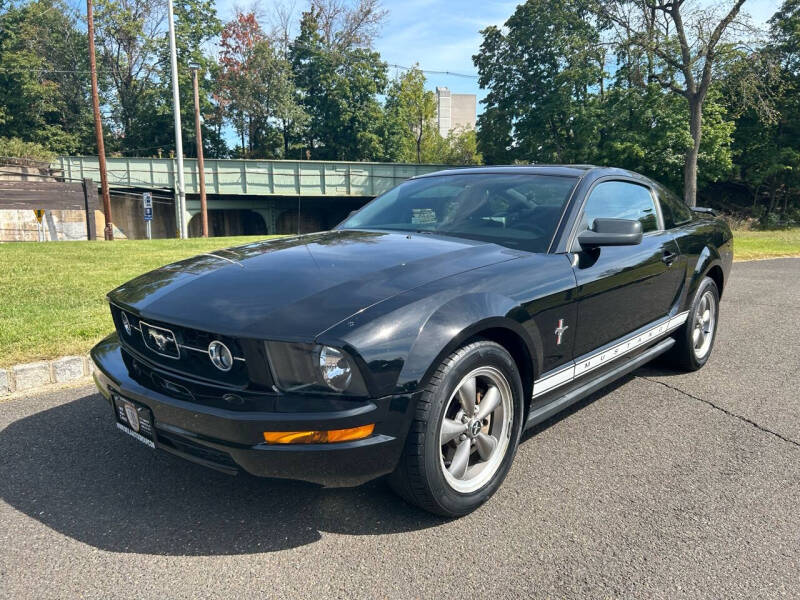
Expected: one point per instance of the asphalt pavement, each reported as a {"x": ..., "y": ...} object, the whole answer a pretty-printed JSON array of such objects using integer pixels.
[{"x": 664, "y": 485}]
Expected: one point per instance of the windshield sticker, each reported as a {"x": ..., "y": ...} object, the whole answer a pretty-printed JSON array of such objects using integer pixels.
[{"x": 423, "y": 216}]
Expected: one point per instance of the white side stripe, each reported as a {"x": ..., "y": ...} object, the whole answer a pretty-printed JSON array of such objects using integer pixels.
[
  {"x": 552, "y": 381},
  {"x": 593, "y": 361}
]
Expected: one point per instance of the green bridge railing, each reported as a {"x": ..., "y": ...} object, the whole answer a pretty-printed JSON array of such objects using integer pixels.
[{"x": 249, "y": 177}]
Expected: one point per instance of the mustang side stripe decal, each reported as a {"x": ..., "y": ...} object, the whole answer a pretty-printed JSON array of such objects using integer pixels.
[{"x": 593, "y": 361}]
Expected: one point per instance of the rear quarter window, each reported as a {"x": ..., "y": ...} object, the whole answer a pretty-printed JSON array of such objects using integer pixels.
[{"x": 673, "y": 210}]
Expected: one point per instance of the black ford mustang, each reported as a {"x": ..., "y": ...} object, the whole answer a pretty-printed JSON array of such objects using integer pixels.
[{"x": 421, "y": 336}]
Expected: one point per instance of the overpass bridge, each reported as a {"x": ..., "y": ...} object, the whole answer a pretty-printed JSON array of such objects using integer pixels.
[{"x": 287, "y": 195}]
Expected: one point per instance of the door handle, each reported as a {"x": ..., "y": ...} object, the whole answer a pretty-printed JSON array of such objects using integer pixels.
[{"x": 668, "y": 257}]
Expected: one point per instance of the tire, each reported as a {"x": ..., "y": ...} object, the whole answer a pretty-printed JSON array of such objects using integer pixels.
[
  {"x": 432, "y": 474},
  {"x": 695, "y": 339}
]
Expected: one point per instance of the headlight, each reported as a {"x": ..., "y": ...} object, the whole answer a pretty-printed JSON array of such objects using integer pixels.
[
  {"x": 126, "y": 324},
  {"x": 335, "y": 368},
  {"x": 311, "y": 367}
]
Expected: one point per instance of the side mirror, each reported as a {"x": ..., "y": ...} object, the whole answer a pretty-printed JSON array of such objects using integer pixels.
[{"x": 611, "y": 232}]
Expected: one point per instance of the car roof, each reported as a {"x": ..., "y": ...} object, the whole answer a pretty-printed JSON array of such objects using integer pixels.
[{"x": 559, "y": 170}]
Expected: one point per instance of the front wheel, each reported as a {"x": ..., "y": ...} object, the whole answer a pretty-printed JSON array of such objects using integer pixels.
[
  {"x": 465, "y": 432},
  {"x": 695, "y": 340}
]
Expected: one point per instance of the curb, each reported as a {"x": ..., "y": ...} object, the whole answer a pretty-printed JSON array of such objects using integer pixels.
[{"x": 36, "y": 376}]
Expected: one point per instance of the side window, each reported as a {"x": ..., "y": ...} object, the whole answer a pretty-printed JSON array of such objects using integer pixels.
[
  {"x": 675, "y": 212},
  {"x": 620, "y": 200}
]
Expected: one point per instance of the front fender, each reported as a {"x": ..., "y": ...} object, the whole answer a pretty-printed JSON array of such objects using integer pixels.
[
  {"x": 708, "y": 258},
  {"x": 455, "y": 322},
  {"x": 399, "y": 346},
  {"x": 402, "y": 339}
]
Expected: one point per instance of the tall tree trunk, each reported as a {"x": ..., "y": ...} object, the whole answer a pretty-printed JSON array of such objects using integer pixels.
[
  {"x": 419, "y": 142},
  {"x": 773, "y": 192},
  {"x": 690, "y": 164}
]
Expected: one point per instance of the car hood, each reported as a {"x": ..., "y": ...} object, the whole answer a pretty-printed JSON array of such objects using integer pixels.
[{"x": 295, "y": 288}]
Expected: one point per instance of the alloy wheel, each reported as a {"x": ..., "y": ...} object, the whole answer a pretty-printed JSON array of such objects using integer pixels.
[
  {"x": 704, "y": 321},
  {"x": 476, "y": 429}
]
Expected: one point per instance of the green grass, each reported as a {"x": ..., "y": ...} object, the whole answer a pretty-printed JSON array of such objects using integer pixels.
[
  {"x": 52, "y": 295},
  {"x": 753, "y": 245}
]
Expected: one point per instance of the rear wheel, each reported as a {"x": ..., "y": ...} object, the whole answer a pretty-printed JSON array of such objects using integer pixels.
[
  {"x": 695, "y": 339},
  {"x": 465, "y": 432}
]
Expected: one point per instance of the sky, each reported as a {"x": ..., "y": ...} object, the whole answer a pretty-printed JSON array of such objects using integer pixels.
[{"x": 443, "y": 35}]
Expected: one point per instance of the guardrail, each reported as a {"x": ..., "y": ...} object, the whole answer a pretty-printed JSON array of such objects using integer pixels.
[{"x": 250, "y": 177}]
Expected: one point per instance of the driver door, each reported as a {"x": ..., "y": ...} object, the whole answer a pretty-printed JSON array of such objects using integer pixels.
[{"x": 623, "y": 288}]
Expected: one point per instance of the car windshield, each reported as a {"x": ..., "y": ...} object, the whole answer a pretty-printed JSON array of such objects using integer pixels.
[{"x": 518, "y": 211}]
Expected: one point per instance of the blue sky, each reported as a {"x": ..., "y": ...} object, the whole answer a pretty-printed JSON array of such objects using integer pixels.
[{"x": 442, "y": 35}]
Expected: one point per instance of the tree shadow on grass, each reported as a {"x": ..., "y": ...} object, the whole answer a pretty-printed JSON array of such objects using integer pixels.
[{"x": 71, "y": 469}]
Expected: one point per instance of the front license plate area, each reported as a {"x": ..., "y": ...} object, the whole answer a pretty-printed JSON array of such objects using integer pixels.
[{"x": 134, "y": 419}]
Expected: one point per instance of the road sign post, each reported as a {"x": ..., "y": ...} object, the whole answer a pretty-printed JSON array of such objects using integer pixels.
[
  {"x": 39, "y": 227},
  {"x": 147, "y": 204}
]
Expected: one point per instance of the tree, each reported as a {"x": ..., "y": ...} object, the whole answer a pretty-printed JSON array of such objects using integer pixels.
[
  {"x": 681, "y": 45},
  {"x": 539, "y": 69},
  {"x": 43, "y": 84},
  {"x": 460, "y": 148},
  {"x": 645, "y": 129},
  {"x": 339, "y": 79},
  {"x": 273, "y": 98},
  {"x": 344, "y": 26},
  {"x": 128, "y": 33},
  {"x": 239, "y": 38},
  {"x": 767, "y": 142},
  {"x": 414, "y": 108},
  {"x": 257, "y": 88}
]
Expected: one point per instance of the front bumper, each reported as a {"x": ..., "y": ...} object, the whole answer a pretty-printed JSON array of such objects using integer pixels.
[{"x": 231, "y": 440}]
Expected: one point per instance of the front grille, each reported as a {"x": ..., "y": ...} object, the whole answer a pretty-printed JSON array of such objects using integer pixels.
[
  {"x": 185, "y": 351},
  {"x": 181, "y": 387}
]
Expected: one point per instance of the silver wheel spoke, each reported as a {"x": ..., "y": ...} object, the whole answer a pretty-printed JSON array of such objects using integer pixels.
[
  {"x": 451, "y": 429},
  {"x": 458, "y": 467},
  {"x": 467, "y": 394},
  {"x": 486, "y": 445},
  {"x": 705, "y": 322},
  {"x": 469, "y": 454},
  {"x": 489, "y": 402}
]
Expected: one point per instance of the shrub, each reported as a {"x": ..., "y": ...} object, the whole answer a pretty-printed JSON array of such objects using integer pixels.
[{"x": 14, "y": 149}]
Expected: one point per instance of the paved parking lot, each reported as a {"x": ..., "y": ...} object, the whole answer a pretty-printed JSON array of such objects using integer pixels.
[{"x": 664, "y": 485}]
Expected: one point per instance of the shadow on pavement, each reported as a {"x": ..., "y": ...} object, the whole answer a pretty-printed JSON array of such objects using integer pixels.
[
  {"x": 71, "y": 469},
  {"x": 570, "y": 410}
]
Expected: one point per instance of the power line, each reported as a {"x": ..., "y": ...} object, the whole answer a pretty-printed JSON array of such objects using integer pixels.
[
  {"x": 84, "y": 72},
  {"x": 429, "y": 72}
]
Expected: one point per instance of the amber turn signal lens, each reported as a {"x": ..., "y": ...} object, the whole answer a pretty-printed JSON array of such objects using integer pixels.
[{"x": 318, "y": 437}]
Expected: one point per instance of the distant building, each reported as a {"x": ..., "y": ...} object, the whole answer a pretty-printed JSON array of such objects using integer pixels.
[{"x": 455, "y": 111}]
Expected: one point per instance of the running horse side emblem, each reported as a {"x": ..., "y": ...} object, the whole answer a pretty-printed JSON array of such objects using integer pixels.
[{"x": 560, "y": 331}]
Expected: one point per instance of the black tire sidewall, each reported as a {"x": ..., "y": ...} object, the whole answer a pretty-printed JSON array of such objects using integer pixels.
[{"x": 480, "y": 354}]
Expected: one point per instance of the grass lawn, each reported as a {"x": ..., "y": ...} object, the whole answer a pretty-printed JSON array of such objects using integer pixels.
[
  {"x": 752, "y": 245},
  {"x": 52, "y": 295}
]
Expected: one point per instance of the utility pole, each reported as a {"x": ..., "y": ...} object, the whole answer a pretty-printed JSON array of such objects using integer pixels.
[
  {"x": 199, "y": 137},
  {"x": 176, "y": 108},
  {"x": 108, "y": 232}
]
